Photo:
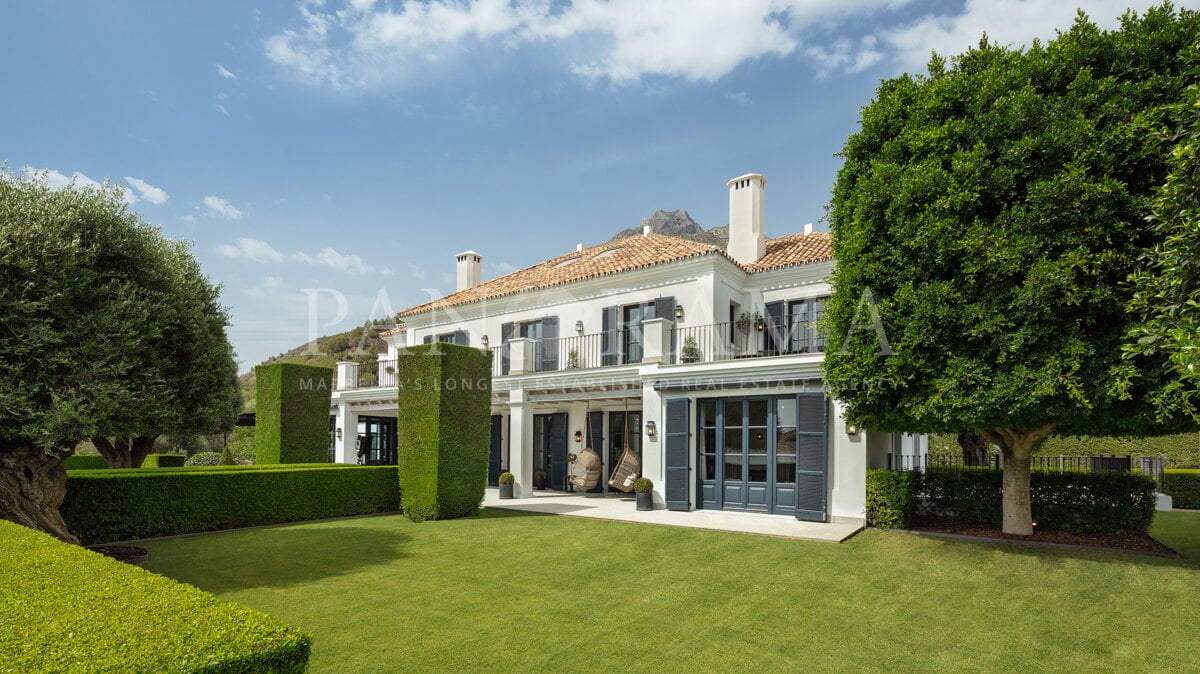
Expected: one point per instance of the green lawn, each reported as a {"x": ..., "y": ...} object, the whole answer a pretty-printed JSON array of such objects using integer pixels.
[{"x": 509, "y": 591}]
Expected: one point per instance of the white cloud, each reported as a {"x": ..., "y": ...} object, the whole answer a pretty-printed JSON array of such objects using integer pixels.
[
  {"x": 218, "y": 206},
  {"x": 145, "y": 191},
  {"x": 220, "y": 108},
  {"x": 739, "y": 97},
  {"x": 224, "y": 72},
  {"x": 251, "y": 249},
  {"x": 361, "y": 44},
  {"x": 135, "y": 189},
  {"x": 257, "y": 250},
  {"x": 270, "y": 285}
]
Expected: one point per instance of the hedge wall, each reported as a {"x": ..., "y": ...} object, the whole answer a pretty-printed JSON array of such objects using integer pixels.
[
  {"x": 115, "y": 505},
  {"x": 84, "y": 462},
  {"x": 164, "y": 461},
  {"x": 445, "y": 393},
  {"x": 1181, "y": 451},
  {"x": 1184, "y": 488},
  {"x": 64, "y": 608},
  {"x": 1089, "y": 502},
  {"x": 292, "y": 413}
]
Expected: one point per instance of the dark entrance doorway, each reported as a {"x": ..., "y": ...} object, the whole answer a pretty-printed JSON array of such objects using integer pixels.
[
  {"x": 550, "y": 448},
  {"x": 377, "y": 441},
  {"x": 617, "y": 432}
]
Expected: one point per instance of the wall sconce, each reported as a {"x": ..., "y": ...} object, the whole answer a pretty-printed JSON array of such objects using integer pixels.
[
  {"x": 651, "y": 431},
  {"x": 579, "y": 327},
  {"x": 759, "y": 324},
  {"x": 484, "y": 341},
  {"x": 339, "y": 434},
  {"x": 679, "y": 312},
  {"x": 851, "y": 429},
  {"x": 578, "y": 436}
]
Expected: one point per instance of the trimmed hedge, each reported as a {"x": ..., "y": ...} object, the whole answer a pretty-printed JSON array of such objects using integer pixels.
[
  {"x": 84, "y": 462},
  {"x": 116, "y": 505},
  {"x": 292, "y": 413},
  {"x": 445, "y": 394},
  {"x": 1088, "y": 502},
  {"x": 1184, "y": 488},
  {"x": 64, "y": 608},
  {"x": 164, "y": 461},
  {"x": 204, "y": 459}
]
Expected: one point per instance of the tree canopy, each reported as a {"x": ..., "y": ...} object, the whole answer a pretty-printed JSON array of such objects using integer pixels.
[
  {"x": 1166, "y": 301},
  {"x": 110, "y": 331},
  {"x": 993, "y": 210}
]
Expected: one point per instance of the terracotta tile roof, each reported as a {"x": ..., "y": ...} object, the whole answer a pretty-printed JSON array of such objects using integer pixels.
[
  {"x": 398, "y": 330},
  {"x": 794, "y": 249},
  {"x": 624, "y": 255}
]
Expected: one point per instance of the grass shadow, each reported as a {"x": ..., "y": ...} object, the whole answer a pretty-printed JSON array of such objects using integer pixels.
[{"x": 277, "y": 557}]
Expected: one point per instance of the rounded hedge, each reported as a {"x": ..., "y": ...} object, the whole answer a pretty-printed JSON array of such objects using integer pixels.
[{"x": 204, "y": 459}]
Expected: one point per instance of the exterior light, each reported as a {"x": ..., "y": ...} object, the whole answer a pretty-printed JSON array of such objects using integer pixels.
[
  {"x": 578, "y": 436},
  {"x": 339, "y": 434},
  {"x": 759, "y": 324},
  {"x": 851, "y": 429},
  {"x": 651, "y": 431},
  {"x": 579, "y": 327},
  {"x": 484, "y": 340},
  {"x": 679, "y": 312}
]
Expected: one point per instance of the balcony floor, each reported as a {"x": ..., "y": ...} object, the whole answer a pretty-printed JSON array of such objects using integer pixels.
[{"x": 615, "y": 507}]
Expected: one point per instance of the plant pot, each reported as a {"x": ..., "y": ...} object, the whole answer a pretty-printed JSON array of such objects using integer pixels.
[
  {"x": 506, "y": 491},
  {"x": 645, "y": 501},
  {"x": 689, "y": 359},
  {"x": 539, "y": 484}
]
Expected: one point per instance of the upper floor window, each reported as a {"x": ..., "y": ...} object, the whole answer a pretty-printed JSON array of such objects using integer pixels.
[{"x": 791, "y": 327}]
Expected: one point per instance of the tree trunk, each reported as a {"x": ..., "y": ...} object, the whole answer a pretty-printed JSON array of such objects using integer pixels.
[
  {"x": 974, "y": 449},
  {"x": 32, "y": 487},
  {"x": 1017, "y": 446},
  {"x": 124, "y": 452}
]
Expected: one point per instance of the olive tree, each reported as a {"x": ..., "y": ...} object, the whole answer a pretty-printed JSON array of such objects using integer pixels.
[
  {"x": 92, "y": 303},
  {"x": 986, "y": 219}
]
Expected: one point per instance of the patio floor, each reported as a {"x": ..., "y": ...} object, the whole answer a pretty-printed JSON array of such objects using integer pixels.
[{"x": 620, "y": 507}]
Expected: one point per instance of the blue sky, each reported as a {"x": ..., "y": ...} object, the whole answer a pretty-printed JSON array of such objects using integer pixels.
[{"x": 357, "y": 146}]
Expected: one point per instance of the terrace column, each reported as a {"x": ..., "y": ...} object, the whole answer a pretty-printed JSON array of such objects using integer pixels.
[
  {"x": 347, "y": 375},
  {"x": 520, "y": 443},
  {"x": 343, "y": 447},
  {"x": 656, "y": 334},
  {"x": 521, "y": 356}
]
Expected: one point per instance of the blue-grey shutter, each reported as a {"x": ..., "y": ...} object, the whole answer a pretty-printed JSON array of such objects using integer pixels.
[
  {"x": 558, "y": 450},
  {"x": 506, "y": 333},
  {"x": 678, "y": 453},
  {"x": 610, "y": 343},
  {"x": 664, "y": 307},
  {"x": 461, "y": 337},
  {"x": 496, "y": 441},
  {"x": 547, "y": 346},
  {"x": 811, "y": 431},
  {"x": 777, "y": 333},
  {"x": 596, "y": 442}
]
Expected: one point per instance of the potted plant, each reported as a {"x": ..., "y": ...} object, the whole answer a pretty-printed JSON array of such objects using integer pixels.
[
  {"x": 539, "y": 480},
  {"x": 644, "y": 488},
  {"x": 573, "y": 359},
  {"x": 691, "y": 351},
  {"x": 506, "y": 484}
]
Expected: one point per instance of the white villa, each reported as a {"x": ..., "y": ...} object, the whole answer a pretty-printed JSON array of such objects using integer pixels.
[{"x": 703, "y": 360}]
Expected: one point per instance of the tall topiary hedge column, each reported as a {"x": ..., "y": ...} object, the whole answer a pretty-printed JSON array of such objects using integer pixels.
[
  {"x": 444, "y": 400},
  {"x": 292, "y": 413}
]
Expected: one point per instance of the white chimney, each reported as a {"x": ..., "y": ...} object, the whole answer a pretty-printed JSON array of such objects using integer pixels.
[
  {"x": 808, "y": 228},
  {"x": 747, "y": 240},
  {"x": 468, "y": 269},
  {"x": 579, "y": 248},
  {"x": 645, "y": 230}
]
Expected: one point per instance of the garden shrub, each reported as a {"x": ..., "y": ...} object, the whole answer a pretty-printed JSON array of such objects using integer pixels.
[
  {"x": 1184, "y": 488},
  {"x": 113, "y": 505},
  {"x": 204, "y": 459},
  {"x": 64, "y": 608},
  {"x": 445, "y": 393},
  {"x": 891, "y": 498},
  {"x": 1106, "y": 502},
  {"x": 164, "y": 461},
  {"x": 292, "y": 413},
  {"x": 84, "y": 462}
]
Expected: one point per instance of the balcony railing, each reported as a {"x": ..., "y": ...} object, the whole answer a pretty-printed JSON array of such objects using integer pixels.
[
  {"x": 727, "y": 341},
  {"x": 382, "y": 374}
]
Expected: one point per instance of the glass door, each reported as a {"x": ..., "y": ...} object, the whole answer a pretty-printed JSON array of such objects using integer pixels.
[
  {"x": 377, "y": 441},
  {"x": 616, "y": 439}
]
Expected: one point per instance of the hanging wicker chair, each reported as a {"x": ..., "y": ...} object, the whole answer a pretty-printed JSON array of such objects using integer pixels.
[
  {"x": 630, "y": 466},
  {"x": 588, "y": 459}
]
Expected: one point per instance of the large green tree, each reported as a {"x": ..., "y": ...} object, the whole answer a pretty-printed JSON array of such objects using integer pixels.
[
  {"x": 986, "y": 219},
  {"x": 94, "y": 304},
  {"x": 1166, "y": 300}
]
